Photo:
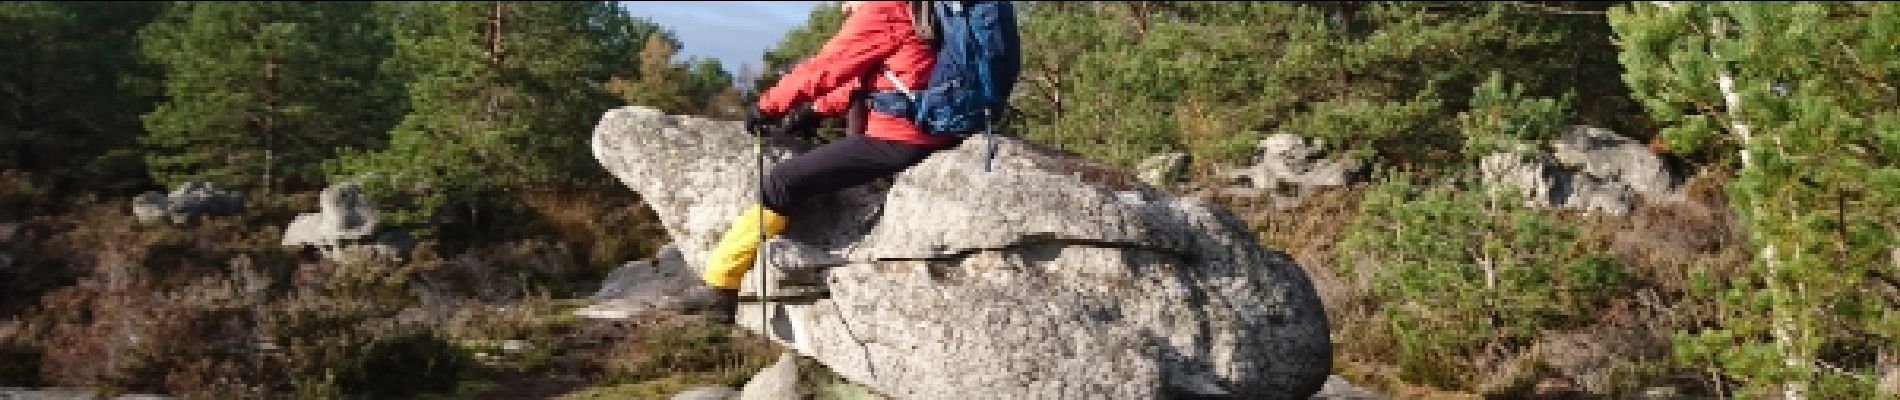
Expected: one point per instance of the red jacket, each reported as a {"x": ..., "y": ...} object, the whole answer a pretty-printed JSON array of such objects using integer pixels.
[{"x": 876, "y": 37}]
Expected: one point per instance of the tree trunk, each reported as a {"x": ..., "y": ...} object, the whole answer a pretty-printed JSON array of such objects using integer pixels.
[
  {"x": 272, "y": 97},
  {"x": 1783, "y": 321},
  {"x": 495, "y": 57}
]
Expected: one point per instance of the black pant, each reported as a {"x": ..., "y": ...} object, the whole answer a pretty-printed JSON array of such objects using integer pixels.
[{"x": 852, "y": 160}]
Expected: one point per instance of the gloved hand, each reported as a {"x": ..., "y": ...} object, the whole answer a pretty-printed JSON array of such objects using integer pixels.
[
  {"x": 802, "y": 122},
  {"x": 757, "y": 122}
]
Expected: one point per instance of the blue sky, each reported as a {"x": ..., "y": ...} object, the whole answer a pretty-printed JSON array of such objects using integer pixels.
[{"x": 733, "y": 31}]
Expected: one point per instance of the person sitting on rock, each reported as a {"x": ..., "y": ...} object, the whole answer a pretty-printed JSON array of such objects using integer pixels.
[{"x": 877, "y": 37}]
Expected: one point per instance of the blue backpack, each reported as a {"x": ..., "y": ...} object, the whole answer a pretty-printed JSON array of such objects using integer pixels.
[{"x": 978, "y": 59}]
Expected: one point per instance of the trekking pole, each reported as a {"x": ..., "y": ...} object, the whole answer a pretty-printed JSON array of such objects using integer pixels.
[{"x": 763, "y": 269}]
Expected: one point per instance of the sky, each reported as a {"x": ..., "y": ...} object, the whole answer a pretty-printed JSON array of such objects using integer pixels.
[{"x": 735, "y": 32}]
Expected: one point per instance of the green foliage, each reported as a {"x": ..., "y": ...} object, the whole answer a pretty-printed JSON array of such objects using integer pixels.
[
  {"x": 513, "y": 111},
  {"x": 699, "y": 86},
  {"x": 1463, "y": 275},
  {"x": 72, "y": 87},
  {"x": 1500, "y": 116},
  {"x": 260, "y": 93},
  {"x": 660, "y": 84},
  {"x": 1813, "y": 125},
  {"x": 713, "y": 90},
  {"x": 1379, "y": 79},
  {"x": 403, "y": 365}
]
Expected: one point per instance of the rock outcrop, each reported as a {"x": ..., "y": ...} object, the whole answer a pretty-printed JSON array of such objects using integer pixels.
[
  {"x": 345, "y": 229},
  {"x": 659, "y": 283},
  {"x": 1284, "y": 165},
  {"x": 186, "y": 203},
  {"x": 1046, "y": 278},
  {"x": 1587, "y": 168}
]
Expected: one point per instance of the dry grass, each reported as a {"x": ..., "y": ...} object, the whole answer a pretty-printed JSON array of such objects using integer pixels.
[{"x": 219, "y": 309}]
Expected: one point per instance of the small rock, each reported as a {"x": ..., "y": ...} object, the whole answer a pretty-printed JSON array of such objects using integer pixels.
[
  {"x": 707, "y": 393},
  {"x": 1589, "y": 169},
  {"x": 1340, "y": 389},
  {"x": 194, "y": 199},
  {"x": 346, "y": 229},
  {"x": 515, "y": 346},
  {"x": 1601, "y": 153},
  {"x": 186, "y": 203},
  {"x": 1290, "y": 159},
  {"x": 661, "y": 283},
  {"x": 345, "y": 214},
  {"x": 611, "y": 310},
  {"x": 777, "y": 382},
  {"x": 6, "y": 261},
  {"x": 1162, "y": 170},
  {"x": 150, "y": 207}
]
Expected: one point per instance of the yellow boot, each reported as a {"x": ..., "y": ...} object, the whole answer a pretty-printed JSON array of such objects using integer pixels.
[{"x": 729, "y": 261}]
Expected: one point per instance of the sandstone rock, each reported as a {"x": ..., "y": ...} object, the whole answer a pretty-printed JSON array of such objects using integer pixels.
[
  {"x": 707, "y": 393},
  {"x": 776, "y": 382},
  {"x": 1048, "y": 277},
  {"x": 346, "y": 228},
  {"x": 1589, "y": 169},
  {"x": 186, "y": 203}
]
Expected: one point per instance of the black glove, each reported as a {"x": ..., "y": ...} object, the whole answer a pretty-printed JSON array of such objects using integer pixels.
[
  {"x": 756, "y": 122},
  {"x": 801, "y": 122}
]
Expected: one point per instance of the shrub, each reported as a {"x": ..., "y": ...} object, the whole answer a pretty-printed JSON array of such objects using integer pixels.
[{"x": 1465, "y": 278}]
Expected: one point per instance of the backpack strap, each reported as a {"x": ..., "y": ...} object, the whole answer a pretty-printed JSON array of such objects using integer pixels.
[{"x": 923, "y": 21}]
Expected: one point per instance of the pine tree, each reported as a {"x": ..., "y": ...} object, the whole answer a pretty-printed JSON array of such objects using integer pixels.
[
  {"x": 72, "y": 87},
  {"x": 1121, "y": 80},
  {"x": 1802, "y": 95},
  {"x": 661, "y": 84},
  {"x": 712, "y": 90},
  {"x": 260, "y": 93},
  {"x": 501, "y": 95}
]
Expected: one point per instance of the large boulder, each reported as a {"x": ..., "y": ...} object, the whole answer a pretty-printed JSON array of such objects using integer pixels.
[
  {"x": 776, "y": 382},
  {"x": 1586, "y": 168},
  {"x": 640, "y": 287},
  {"x": 186, "y": 203},
  {"x": 346, "y": 229},
  {"x": 1049, "y": 277}
]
